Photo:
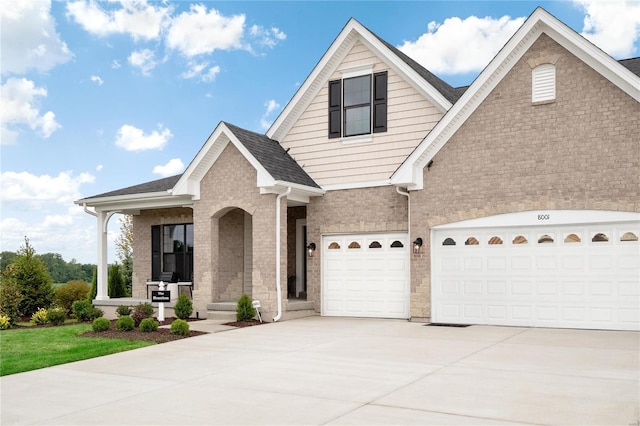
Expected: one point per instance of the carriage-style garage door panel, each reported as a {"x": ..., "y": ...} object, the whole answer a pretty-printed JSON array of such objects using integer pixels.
[
  {"x": 584, "y": 275},
  {"x": 365, "y": 275}
]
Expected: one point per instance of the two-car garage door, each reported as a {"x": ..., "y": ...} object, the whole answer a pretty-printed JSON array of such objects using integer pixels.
[
  {"x": 575, "y": 269},
  {"x": 366, "y": 275}
]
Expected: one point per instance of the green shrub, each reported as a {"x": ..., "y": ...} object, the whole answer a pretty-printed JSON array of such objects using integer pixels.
[
  {"x": 10, "y": 296},
  {"x": 125, "y": 323},
  {"x": 115, "y": 283},
  {"x": 83, "y": 310},
  {"x": 56, "y": 316},
  {"x": 183, "y": 307},
  {"x": 180, "y": 327},
  {"x": 149, "y": 324},
  {"x": 68, "y": 293},
  {"x": 123, "y": 310},
  {"x": 245, "y": 310},
  {"x": 100, "y": 324},
  {"x": 39, "y": 317},
  {"x": 94, "y": 286},
  {"x": 142, "y": 311},
  {"x": 5, "y": 323}
]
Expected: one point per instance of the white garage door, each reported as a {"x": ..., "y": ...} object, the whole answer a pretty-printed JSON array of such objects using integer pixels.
[
  {"x": 574, "y": 269},
  {"x": 365, "y": 275}
]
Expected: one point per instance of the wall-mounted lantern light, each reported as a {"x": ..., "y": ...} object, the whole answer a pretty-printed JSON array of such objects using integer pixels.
[
  {"x": 311, "y": 248},
  {"x": 416, "y": 245}
]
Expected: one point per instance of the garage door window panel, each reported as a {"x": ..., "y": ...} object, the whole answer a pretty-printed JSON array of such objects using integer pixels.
[
  {"x": 519, "y": 239},
  {"x": 495, "y": 240},
  {"x": 545, "y": 239},
  {"x": 334, "y": 246},
  {"x": 375, "y": 245},
  {"x": 628, "y": 236},
  {"x": 397, "y": 244},
  {"x": 354, "y": 245},
  {"x": 448, "y": 242},
  {"x": 471, "y": 241},
  {"x": 572, "y": 238},
  {"x": 600, "y": 238}
]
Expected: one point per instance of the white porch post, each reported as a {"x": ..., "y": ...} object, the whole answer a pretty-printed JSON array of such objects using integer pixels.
[{"x": 103, "y": 219}]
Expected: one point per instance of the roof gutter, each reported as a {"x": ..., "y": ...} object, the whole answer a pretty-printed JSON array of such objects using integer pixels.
[{"x": 278, "y": 287}]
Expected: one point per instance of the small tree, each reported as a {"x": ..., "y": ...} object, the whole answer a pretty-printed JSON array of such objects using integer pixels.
[
  {"x": 10, "y": 296},
  {"x": 183, "y": 307},
  {"x": 116, "y": 283},
  {"x": 34, "y": 280},
  {"x": 245, "y": 310},
  {"x": 124, "y": 250},
  {"x": 94, "y": 286},
  {"x": 68, "y": 293}
]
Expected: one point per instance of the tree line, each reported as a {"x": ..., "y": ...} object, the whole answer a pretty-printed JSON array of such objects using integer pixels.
[{"x": 60, "y": 270}]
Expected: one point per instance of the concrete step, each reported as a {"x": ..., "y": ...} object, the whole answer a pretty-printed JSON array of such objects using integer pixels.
[
  {"x": 222, "y": 306},
  {"x": 227, "y": 316},
  {"x": 299, "y": 305}
]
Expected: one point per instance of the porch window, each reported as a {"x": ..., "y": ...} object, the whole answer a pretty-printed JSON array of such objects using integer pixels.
[{"x": 172, "y": 250}]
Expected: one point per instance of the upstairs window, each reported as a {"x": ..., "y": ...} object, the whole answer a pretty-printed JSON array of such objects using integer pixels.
[
  {"x": 358, "y": 105},
  {"x": 543, "y": 83}
]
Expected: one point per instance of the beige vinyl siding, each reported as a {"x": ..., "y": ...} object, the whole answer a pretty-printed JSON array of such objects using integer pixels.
[{"x": 337, "y": 162}]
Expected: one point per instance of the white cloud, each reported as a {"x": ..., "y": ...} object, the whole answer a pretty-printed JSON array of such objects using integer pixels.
[
  {"x": 200, "y": 31},
  {"x": 173, "y": 167},
  {"x": 196, "y": 70},
  {"x": 97, "y": 79},
  {"x": 99, "y": 167},
  {"x": 133, "y": 139},
  {"x": 18, "y": 99},
  {"x": 459, "y": 46},
  {"x": 115, "y": 64},
  {"x": 24, "y": 186},
  {"x": 269, "y": 37},
  {"x": 613, "y": 26},
  {"x": 28, "y": 37},
  {"x": 271, "y": 106},
  {"x": 144, "y": 60},
  {"x": 138, "y": 19}
]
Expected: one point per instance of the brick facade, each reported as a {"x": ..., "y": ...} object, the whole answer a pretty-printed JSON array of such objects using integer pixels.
[
  {"x": 379, "y": 209},
  {"x": 578, "y": 152},
  {"x": 142, "y": 224}
]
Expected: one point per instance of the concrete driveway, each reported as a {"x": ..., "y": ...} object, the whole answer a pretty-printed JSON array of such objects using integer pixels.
[{"x": 344, "y": 371}]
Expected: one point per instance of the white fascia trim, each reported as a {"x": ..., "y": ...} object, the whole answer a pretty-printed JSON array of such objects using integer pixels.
[
  {"x": 134, "y": 202},
  {"x": 311, "y": 85},
  {"x": 299, "y": 193},
  {"x": 410, "y": 173},
  {"x": 189, "y": 183},
  {"x": 329, "y": 63},
  {"x": 356, "y": 185}
]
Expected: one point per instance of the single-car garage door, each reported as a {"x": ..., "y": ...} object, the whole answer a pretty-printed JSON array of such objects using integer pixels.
[
  {"x": 365, "y": 275},
  {"x": 574, "y": 269}
]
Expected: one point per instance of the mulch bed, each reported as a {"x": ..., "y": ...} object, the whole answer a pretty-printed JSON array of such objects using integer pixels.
[{"x": 162, "y": 335}]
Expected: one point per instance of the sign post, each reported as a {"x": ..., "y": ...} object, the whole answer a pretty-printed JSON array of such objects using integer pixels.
[{"x": 161, "y": 304}]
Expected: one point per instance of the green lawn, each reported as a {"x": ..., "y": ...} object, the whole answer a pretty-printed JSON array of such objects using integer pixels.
[{"x": 30, "y": 349}]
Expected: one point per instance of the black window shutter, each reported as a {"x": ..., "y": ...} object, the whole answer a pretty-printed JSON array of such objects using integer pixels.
[
  {"x": 380, "y": 102},
  {"x": 156, "y": 252},
  {"x": 335, "y": 109}
]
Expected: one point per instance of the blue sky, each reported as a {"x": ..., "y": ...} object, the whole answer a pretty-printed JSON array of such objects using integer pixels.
[{"x": 98, "y": 95}]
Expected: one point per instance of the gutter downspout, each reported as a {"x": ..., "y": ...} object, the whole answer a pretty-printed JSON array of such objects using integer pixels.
[
  {"x": 406, "y": 194},
  {"x": 278, "y": 288}
]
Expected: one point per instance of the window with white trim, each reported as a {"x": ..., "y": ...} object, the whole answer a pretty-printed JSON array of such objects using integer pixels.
[
  {"x": 358, "y": 105},
  {"x": 543, "y": 83}
]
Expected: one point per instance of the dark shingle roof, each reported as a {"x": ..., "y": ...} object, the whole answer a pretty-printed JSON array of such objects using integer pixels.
[
  {"x": 159, "y": 185},
  {"x": 632, "y": 64},
  {"x": 269, "y": 153}
]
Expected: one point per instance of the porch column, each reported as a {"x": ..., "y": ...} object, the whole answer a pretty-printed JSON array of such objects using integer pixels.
[{"x": 102, "y": 290}]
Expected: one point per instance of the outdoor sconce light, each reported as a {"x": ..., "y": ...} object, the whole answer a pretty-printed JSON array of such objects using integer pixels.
[
  {"x": 311, "y": 248},
  {"x": 416, "y": 245}
]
